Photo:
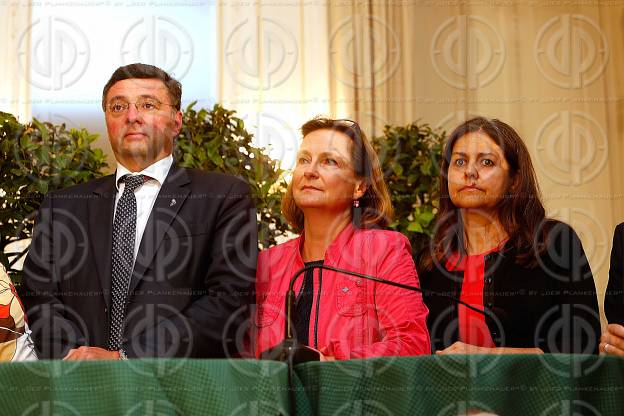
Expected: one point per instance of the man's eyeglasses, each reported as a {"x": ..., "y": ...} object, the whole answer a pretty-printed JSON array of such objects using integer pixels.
[{"x": 119, "y": 107}]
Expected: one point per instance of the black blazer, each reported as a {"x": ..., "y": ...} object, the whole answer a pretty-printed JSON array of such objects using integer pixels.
[
  {"x": 614, "y": 298},
  {"x": 552, "y": 306},
  {"x": 191, "y": 282}
]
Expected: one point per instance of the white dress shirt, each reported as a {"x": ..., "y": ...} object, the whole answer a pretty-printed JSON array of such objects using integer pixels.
[{"x": 146, "y": 194}]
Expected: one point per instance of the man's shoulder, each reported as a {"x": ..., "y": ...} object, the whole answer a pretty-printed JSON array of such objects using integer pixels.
[
  {"x": 83, "y": 188},
  {"x": 213, "y": 179}
]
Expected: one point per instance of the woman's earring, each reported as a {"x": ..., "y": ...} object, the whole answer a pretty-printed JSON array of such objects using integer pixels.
[{"x": 357, "y": 213}]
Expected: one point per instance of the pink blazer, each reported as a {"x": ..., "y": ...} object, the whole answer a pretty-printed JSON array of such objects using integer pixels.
[{"x": 356, "y": 318}]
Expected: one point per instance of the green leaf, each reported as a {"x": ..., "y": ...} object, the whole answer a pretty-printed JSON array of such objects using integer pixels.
[
  {"x": 426, "y": 217},
  {"x": 214, "y": 156},
  {"x": 23, "y": 141},
  {"x": 397, "y": 169},
  {"x": 42, "y": 186},
  {"x": 45, "y": 135},
  {"x": 415, "y": 227},
  {"x": 425, "y": 167},
  {"x": 189, "y": 160}
]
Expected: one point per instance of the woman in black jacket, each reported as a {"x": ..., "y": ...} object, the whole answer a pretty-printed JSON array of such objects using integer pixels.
[
  {"x": 494, "y": 248},
  {"x": 612, "y": 341}
]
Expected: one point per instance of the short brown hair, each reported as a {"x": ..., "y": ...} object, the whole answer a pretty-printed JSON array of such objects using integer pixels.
[
  {"x": 145, "y": 71},
  {"x": 375, "y": 205}
]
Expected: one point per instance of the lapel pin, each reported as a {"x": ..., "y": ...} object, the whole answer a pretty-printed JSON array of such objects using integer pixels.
[{"x": 172, "y": 203}]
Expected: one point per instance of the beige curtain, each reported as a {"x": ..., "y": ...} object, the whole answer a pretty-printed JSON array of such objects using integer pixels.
[
  {"x": 274, "y": 69},
  {"x": 15, "y": 43},
  {"x": 552, "y": 72}
]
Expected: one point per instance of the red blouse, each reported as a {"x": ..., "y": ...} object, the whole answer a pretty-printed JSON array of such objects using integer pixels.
[{"x": 473, "y": 329}]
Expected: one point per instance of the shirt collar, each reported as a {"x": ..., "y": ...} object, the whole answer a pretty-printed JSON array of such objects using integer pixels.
[
  {"x": 457, "y": 262},
  {"x": 157, "y": 170}
]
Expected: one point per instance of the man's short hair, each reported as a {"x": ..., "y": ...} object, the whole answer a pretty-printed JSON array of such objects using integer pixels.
[{"x": 145, "y": 71}]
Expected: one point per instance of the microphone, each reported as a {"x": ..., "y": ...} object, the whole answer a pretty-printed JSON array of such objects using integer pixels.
[{"x": 294, "y": 352}]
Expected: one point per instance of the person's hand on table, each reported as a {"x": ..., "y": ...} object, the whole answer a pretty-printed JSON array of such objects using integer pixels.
[
  {"x": 612, "y": 340},
  {"x": 324, "y": 355},
  {"x": 463, "y": 348},
  {"x": 90, "y": 353}
]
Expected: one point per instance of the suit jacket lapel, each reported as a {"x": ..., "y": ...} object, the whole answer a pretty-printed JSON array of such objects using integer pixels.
[
  {"x": 170, "y": 199},
  {"x": 100, "y": 226}
]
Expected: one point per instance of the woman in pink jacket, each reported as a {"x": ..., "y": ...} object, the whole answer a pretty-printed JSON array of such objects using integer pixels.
[{"x": 338, "y": 202}]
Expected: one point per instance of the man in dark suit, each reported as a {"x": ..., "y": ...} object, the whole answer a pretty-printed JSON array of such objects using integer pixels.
[{"x": 152, "y": 261}]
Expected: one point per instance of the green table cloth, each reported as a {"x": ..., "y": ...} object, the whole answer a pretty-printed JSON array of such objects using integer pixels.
[
  {"x": 445, "y": 385},
  {"x": 454, "y": 385},
  {"x": 144, "y": 387}
]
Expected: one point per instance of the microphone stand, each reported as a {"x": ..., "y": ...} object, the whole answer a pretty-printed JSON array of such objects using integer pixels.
[{"x": 291, "y": 351}]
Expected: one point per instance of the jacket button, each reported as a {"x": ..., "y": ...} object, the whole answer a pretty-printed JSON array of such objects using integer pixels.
[{"x": 358, "y": 282}]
